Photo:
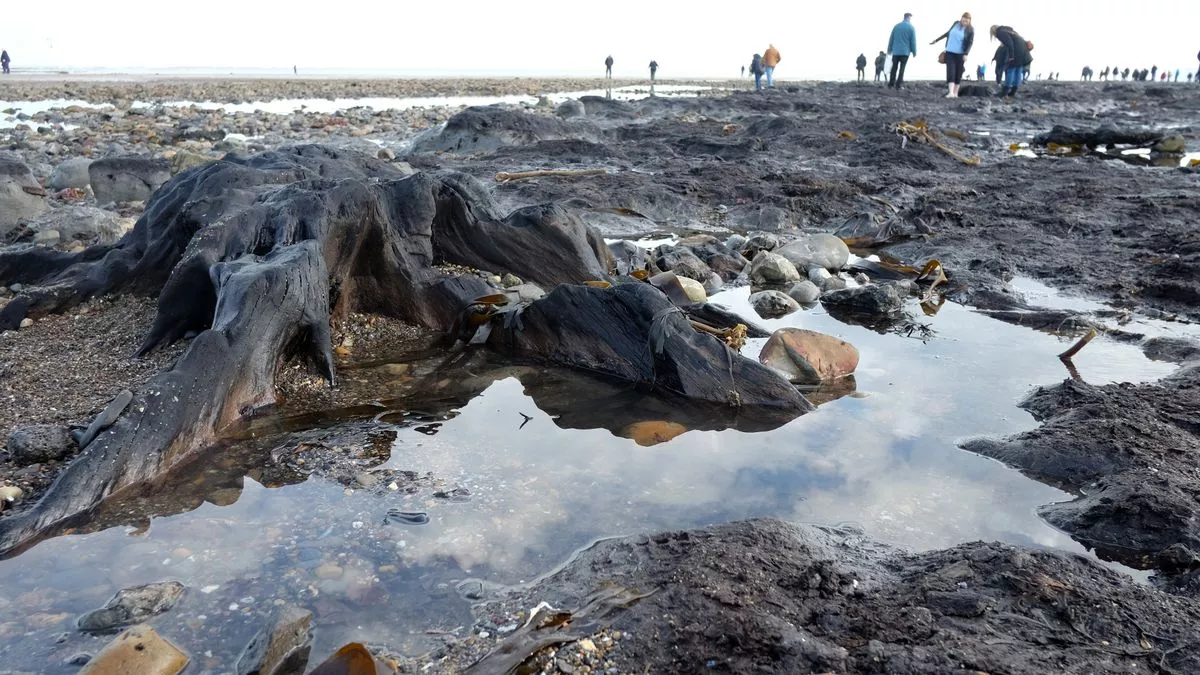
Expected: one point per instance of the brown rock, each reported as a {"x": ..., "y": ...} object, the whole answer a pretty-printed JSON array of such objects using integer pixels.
[
  {"x": 138, "y": 650},
  {"x": 808, "y": 357},
  {"x": 353, "y": 659}
]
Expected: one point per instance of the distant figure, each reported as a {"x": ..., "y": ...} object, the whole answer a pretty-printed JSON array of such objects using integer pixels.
[
  {"x": 608, "y": 67},
  {"x": 756, "y": 69},
  {"x": 770, "y": 59},
  {"x": 1104, "y": 74},
  {"x": 1000, "y": 58},
  {"x": 958, "y": 39},
  {"x": 1176, "y": 74},
  {"x": 880, "y": 62},
  {"x": 1016, "y": 55},
  {"x": 861, "y": 64},
  {"x": 743, "y": 71},
  {"x": 901, "y": 44},
  {"x": 4, "y": 60},
  {"x": 295, "y": 71},
  {"x": 1164, "y": 77},
  {"x": 1125, "y": 74},
  {"x": 1153, "y": 73},
  {"x": 980, "y": 72},
  {"x": 1189, "y": 77},
  {"x": 653, "y": 69},
  {"x": 1087, "y": 74}
]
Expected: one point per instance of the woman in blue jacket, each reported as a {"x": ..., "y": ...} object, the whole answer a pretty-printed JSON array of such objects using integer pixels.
[{"x": 958, "y": 39}]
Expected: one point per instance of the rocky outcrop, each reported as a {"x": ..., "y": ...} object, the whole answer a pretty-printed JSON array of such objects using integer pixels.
[
  {"x": 39, "y": 443},
  {"x": 127, "y": 179},
  {"x": 21, "y": 197},
  {"x": 72, "y": 173},
  {"x": 486, "y": 129}
]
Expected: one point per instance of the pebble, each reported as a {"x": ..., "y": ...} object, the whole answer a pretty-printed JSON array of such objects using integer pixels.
[
  {"x": 26, "y": 322},
  {"x": 329, "y": 571}
]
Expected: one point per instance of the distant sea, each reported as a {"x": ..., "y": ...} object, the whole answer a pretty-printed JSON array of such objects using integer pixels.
[{"x": 208, "y": 71}]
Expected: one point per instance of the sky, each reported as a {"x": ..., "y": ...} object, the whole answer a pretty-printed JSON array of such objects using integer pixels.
[{"x": 540, "y": 37}]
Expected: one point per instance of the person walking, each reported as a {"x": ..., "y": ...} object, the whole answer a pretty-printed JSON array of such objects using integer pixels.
[
  {"x": 1176, "y": 74},
  {"x": 880, "y": 62},
  {"x": 770, "y": 59},
  {"x": 608, "y": 67},
  {"x": 901, "y": 45},
  {"x": 1153, "y": 73},
  {"x": 653, "y": 69},
  {"x": 756, "y": 69},
  {"x": 4, "y": 60},
  {"x": 743, "y": 71},
  {"x": 861, "y": 64},
  {"x": 1016, "y": 55},
  {"x": 958, "y": 39}
]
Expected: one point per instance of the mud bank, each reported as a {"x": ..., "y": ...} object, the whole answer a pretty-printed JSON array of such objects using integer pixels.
[{"x": 765, "y": 596}]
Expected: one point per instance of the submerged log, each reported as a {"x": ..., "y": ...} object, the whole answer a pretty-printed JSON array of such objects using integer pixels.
[
  {"x": 1093, "y": 138},
  {"x": 256, "y": 256}
]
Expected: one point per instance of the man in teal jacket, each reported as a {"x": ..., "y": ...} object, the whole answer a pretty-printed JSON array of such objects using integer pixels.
[{"x": 901, "y": 44}]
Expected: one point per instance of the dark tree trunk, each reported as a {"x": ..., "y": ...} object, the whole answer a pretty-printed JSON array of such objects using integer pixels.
[{"x": 255, "y": 256}]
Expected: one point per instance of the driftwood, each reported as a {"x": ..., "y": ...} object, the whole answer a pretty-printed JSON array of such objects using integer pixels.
[
  {"x": 921, "y": 132},
  {"x": 256, "y": 256},
  {"x": 1083, "y": 342},
  {"x": 1093, "y": 138},
  {"x": 506, "y": 176}
]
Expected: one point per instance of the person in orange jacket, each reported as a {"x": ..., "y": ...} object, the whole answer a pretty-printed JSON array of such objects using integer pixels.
[{"x": 770, "y": 59}]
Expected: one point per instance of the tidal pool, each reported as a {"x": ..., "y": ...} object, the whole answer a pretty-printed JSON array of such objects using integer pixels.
[{"x": 503, "y": 480}]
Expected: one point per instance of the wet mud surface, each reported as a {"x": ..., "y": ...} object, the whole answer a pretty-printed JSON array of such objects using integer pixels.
[
  {"x": 752, "y": 596},
  {"x": 764, "y": 596}
]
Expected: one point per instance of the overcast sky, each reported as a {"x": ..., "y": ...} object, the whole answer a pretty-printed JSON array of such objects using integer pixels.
[{"x": 526, "y": 37}]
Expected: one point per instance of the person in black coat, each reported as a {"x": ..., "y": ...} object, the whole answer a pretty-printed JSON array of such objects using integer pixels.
[
  {"x": 1000, "y": 58},
  {"x": 861, "y": 64},
  {"x": 1016, "y": 57},
  {"x": 608, "y": 67},
  {"x": 880, "y": 62},
  {"x": 4, "y": 60}
]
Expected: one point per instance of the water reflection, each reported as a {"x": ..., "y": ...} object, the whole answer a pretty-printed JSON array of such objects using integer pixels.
[{"x": 514, "y": 469}]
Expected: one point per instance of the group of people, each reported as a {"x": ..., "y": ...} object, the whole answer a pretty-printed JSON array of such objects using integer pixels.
[
  {"x": 1012, "y": 57},
  {"x": 4, "y": 61},
  {"x": 608, "y": 64},
  {"x": 1144, "y": 75},
  {"x": 763, "y": 65}
]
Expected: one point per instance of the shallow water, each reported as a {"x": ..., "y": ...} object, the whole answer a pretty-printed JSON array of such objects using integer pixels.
[
  {"x": 325, "y": 106},
  {"x": 885, "y": 458}
]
